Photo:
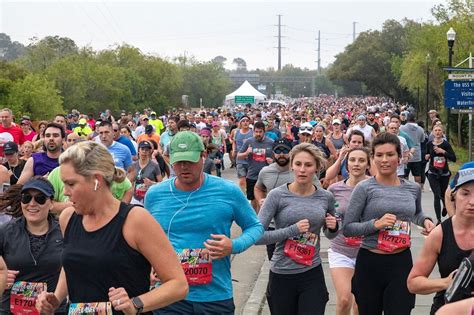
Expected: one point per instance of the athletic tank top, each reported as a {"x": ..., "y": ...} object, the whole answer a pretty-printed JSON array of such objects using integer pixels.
[
  {"x": 239, "y": 142},
  {"x": 322, "y": 145},
  {"x": 95, "y": 261},
  {"x": 43, "y": 164},
  {"x": 338, "y": 143},
  {"x": 449, "y": 259}
]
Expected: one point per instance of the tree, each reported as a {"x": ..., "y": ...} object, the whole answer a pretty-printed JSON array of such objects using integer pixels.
[
  {"x": 9, "y": 73},
  {"x": 240, "y": 64},
  {"x": 35, "y": 96},
  {"x": 10, "y": 50},
  {"x": 220, "y": 60}
]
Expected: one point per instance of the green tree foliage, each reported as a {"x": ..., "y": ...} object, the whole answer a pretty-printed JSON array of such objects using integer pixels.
[
  {"x": 10, "y": 50},
  {"x": 35, "y": 96},
  {"x": 9, "y": 73},
  {"x": 206, "y": 80}
]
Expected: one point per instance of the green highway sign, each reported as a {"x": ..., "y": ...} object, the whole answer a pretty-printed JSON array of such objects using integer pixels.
[{"x": 244, "y": 99}]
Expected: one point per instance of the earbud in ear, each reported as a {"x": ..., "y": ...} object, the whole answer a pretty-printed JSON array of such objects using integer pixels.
[{"x": 96, "y": 185}]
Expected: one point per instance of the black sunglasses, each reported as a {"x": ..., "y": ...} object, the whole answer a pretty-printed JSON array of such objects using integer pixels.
[
  {"x": 39, "y": 198},
  {"x": 281, "y": 151}
]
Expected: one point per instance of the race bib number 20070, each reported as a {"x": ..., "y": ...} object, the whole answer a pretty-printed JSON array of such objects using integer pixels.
[
  {"x": 23, "y": 297},
  {"x": 197, "y": 265}
]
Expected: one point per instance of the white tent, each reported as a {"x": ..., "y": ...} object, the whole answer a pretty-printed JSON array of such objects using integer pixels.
[{"x": 246, "y": 89}]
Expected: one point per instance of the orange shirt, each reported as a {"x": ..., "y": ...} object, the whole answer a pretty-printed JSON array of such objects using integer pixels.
[{"x": 155, "y": 137}]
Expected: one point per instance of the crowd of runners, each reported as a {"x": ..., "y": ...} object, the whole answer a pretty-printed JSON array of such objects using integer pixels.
[{"x": 129, "y": 214}]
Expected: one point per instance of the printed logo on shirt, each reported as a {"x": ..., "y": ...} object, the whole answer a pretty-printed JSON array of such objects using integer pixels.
[
  {"x": 197, "y": 265},
  {"x": 395, "y": 237},
  {"x": 23, "y": 297},
  {"x": 258, "y": 154},
  {"x": 301, "y": 248},
  {"x": 91, "y": 308},
  {"x": 439, "y": 161}
]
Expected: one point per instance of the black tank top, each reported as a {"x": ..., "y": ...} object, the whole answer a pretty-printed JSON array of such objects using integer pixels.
[
  {"x": 449, "y": 259},
  {"x": 96, "y": 261}
]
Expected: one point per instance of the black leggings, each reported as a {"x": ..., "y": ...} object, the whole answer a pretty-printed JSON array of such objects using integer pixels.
[
  {"x": 380, "y": 283},
  {"x": 438, "y": 184},
  {"x": 301, "y": 293}
]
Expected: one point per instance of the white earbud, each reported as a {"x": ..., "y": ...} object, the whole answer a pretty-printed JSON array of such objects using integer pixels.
[{"x": 96, "y": 185}]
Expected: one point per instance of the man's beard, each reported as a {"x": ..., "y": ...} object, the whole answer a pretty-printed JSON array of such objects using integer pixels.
[{"x": 282, "y": 161}]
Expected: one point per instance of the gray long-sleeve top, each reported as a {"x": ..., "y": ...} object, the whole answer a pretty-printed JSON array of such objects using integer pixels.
[
  {"x": 371, "y": 200},
  {"x": 287, "y": 209}
]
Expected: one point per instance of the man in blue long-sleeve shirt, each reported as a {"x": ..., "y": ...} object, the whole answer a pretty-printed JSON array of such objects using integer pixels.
[{"x": 196, "y": 211}]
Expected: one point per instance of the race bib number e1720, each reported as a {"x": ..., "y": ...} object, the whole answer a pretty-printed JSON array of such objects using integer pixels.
[
  {"x": 395, "y": 237},
  {"x": 23, "y": 297},
  {"x": 197, "y": 265},
  {"x": 301, "y": 248},
  {"x": 91, "y": 308}
]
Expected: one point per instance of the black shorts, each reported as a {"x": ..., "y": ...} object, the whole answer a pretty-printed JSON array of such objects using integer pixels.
[
  {"x": 414, "y": 167},
  {"x": 225, "y": 307},
  {"x": 250, "y": 186}
]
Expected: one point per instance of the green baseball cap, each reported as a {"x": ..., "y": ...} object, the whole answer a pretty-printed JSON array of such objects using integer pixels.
[{"x": 186, "y": 146}]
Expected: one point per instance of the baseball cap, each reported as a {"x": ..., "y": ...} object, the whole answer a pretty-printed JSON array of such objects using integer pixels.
[
  {"x": 336, "y": 122},
  {"x": 25, "y": 122},
  {"x": 214, "y": 124},
  {"x": 432, "y": 111},
  {"x": 282, "y": 143},
  {"x": 464, "y": 176},
  {"x": 153, "y": 113},
  {"x": 10, "y": 147},
  {"x": 148, "y": 129},
  {"x": 145, "y": 144},
  {"x": 186, "y": 146},
  {"x": 82, "y": 121},
  {"x": 41, "y": 185},
  {"x": 143, "y": 117},
  {"x": 306, "y": 128},
  {"x": 361, "y": 117}
]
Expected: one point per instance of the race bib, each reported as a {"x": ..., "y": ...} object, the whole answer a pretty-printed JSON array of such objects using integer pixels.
[
  {"x": 396, "y": 237},
  {"x": 140, "y": 191},
  {"x": 258, "y": 155},
  {"x": 91, "y": 308},
  {"x": 197, "y": 265},
  {"x": 353, "y": 241},
  {"x": 301, "y": 248},
  {"x": 439, "y": 161},
  {"x": 23, "y": 297}
]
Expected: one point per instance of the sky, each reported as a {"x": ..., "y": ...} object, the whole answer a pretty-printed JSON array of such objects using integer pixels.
[{"x": 206, "y": 29}]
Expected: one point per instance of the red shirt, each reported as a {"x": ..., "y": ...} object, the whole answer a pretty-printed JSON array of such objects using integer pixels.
[{"x": 14, "y": 133}]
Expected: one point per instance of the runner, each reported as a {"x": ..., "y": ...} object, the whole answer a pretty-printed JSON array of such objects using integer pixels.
[
  {"x": 13, "y": 167},
  {"x": 343, "y": 251},
  {"x": 448, "y": 244},
  {"x": 258, "y": 152},
  {"x": 31, "y": 245},
  {"x": 8, "y": 130},
  {"x": 145, "y": 173},
  {"x": 109, "y": 247},
  {"x": 337, "y": 138},
  {"x": 241, "y": 135},
  {"x": 384, "y": 259},
  {"x": 197, "y": 211},
  {"x": 296, "y": 283},
  {"x": 439, "y": 152},
  {"x": 42, "y": 163},
  {"x": 368, "y": 131}
]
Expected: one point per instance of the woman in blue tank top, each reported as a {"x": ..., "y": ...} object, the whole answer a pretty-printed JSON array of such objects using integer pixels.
[{"x": 109, "y": 247}]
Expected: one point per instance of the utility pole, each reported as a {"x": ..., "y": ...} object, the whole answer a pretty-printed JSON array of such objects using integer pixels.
[
  {"x": 279, "y": 42},
  {"x": 319, "y": 52},
  {"x": 353, "y": 31}
]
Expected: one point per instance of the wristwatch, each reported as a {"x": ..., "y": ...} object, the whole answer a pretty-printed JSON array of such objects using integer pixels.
[{"x": 138, "y": 304}]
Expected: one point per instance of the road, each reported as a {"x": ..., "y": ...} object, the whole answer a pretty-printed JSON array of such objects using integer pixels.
[{"x": 250, "y": 269}]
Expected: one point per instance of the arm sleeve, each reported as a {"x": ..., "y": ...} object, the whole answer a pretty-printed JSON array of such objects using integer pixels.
[
  {"x": 332, "y": 211},
  {"x": 245, "y": 217},
  {"x": 352, "y": 225},
  {"x": 450, "y": 155},
  {"x": 420, "y": 217},
  {"x": 266, "y": 214}
]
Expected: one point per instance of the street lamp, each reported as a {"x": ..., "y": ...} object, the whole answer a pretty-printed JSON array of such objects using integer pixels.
[{"x": 451, "y": 36}]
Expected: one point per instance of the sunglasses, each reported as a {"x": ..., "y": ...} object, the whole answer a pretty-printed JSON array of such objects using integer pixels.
[
  {"x": 281, "y": 151},
  {"x": 116, "y": 130},
  {"x": 306, "y": 128},
  {"x": 39, "y": 198}
]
